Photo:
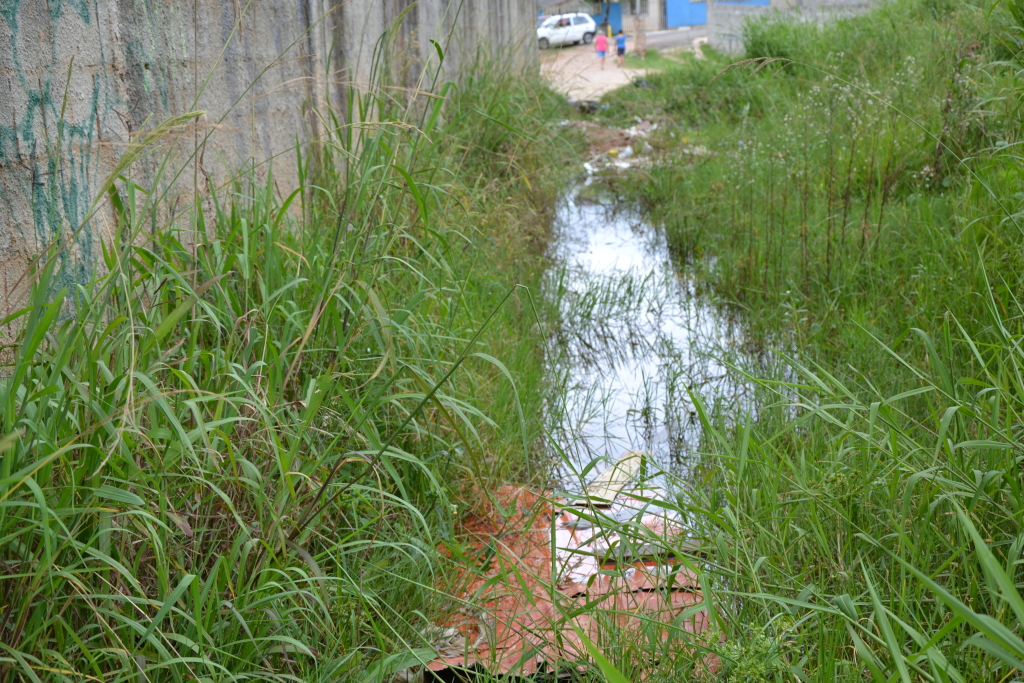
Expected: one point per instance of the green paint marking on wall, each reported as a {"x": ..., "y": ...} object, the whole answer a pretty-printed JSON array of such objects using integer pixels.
[
  {"x": 80, "y": 6},
  {"x": 9, "y": 12}
]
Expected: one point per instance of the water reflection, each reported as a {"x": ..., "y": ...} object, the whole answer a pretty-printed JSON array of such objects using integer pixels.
[{"x": 634, "y": 338}]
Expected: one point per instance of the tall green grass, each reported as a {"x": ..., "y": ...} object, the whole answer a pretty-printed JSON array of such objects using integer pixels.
[
  {"x": 859, "y": 194},
  {"x": 866, "y": 170},
  {"x": 877, "y": 534},
  {"x": 234, "y": 460}
]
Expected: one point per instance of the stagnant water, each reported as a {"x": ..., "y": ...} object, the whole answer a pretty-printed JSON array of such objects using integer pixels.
[{"x": 634, "y": 339}]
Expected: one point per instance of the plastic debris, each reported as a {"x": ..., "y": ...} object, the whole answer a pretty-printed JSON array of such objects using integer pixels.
[
  {"x": 532, "y": 560},
  {"x": 604, "y": 489},
  {"x": 586, "y": 106}
]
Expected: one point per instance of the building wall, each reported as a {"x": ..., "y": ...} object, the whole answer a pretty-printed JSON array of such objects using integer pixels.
[
  {"x": 726, "y": 19},
  {"x": 654, "y": 20},
  {"x": 614, "y": 11},
  {"x": 685, "y": 13},
  {"x": 650, "y": 15},
  {"x": 80, "y": 81}
]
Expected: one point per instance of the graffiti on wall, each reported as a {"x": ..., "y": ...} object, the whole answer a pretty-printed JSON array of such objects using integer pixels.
[{"x": 80, "y": 80}]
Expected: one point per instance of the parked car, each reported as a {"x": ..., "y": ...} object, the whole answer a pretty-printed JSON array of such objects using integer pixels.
[{"x": 566, "y": 29}]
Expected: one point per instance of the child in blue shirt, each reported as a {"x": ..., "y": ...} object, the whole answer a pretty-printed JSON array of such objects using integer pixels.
[{"x": 620, "y": 48}]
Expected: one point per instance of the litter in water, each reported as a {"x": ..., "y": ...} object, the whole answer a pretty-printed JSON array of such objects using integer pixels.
[{"x": 531, "y": 561}]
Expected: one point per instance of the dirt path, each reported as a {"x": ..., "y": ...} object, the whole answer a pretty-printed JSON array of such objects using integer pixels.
[{"x": 576, "y": 72}]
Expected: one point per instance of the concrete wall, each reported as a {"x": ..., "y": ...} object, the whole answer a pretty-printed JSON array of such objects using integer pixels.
[
  {"x": 726, "y": 20},
  {"x": 653, "y": 20},
  {"x": 259, "y": 68}
]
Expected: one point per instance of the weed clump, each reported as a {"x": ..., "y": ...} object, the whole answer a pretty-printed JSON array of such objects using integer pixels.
[{"x": 756, "y": 658}]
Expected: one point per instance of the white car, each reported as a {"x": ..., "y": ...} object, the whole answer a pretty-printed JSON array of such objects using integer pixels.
[{"x": 566, "y": 29}]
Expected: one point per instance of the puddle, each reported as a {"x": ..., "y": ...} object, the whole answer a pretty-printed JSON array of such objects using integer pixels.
[{"x": 635, "y": 336}]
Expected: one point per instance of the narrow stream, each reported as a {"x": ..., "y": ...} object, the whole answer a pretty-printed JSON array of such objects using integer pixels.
[{"x": 635, "y": 337}]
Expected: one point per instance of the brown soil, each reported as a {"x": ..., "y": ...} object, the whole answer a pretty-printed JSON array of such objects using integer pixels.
[
  {"x": 517, "y": 615},
  {"x": 600, "y": 140}
]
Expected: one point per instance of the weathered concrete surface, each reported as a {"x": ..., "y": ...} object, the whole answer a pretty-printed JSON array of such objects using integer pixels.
[
  {"x": 726, "y": 20},
  {"x": 80, "y": 81}
]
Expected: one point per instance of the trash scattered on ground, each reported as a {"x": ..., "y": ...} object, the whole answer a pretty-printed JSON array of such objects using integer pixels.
[
  {"x": 587, "y": 106},
  {"x": 580, "y": 124},
  {"x": 696, "y": 150},
  {"x": 642, "y": 128},
  {"x": 617, "y": 149},
  {"x": 606, "y": 487},
  {"x": 620, "y": 148},
  {"x": 535, "y": 560}
]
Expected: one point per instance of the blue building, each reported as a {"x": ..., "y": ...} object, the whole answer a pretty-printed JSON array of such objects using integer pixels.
[
  {"x": 685, "y": 13},
  {"x": 658, "y": 14},
  {"x": 680, "y": 13}
]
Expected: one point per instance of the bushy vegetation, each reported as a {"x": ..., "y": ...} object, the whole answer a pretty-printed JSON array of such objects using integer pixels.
[
  {"x": 856, "y": 188},
  {"x": 234, "y": 459},
  {"x": 865, "y": 171}
]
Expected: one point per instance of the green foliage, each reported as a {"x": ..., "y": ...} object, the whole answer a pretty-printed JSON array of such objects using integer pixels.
[
  {"x": 233, "y": 454},
  {"x": 773, "y": 38},
  {"x": 862, "y": 207},
  {"x": 842, "y": 509},
  {"x": 694, "y": 94},
  {"x": 867, "y": 46},
  {"x": 875, "y": 175},
  {"x": 756, "y": 658}
]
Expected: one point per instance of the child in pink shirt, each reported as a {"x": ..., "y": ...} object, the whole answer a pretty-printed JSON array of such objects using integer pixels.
[{"x": 601, "y": 45}]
